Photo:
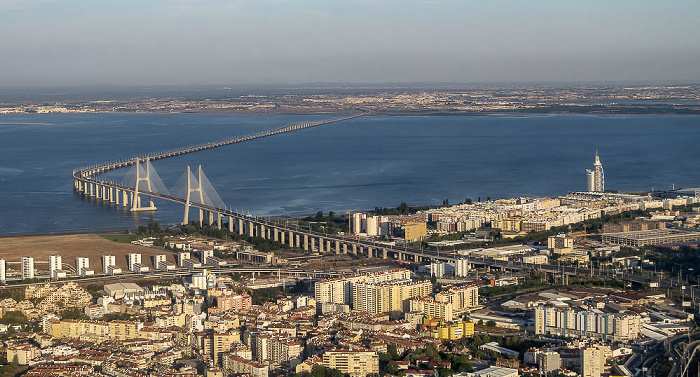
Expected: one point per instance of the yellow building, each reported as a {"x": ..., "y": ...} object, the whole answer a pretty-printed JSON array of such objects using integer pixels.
[
  {"x": 356, "y": 363},
  {"x": 123, "y": 330},
  {"x": 415, "y": 231},
  {"x": 223, "y": 341},
  {"x": 454, "y": 330},
  {"x": 74, "y": 329}
]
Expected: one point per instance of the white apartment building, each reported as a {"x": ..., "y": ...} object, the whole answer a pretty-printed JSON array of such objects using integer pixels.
[
  {"x": 3, "y": 271},
  {"x": 204, "y": 255},
  {"x": 437, "y": 269},
  {"x": 133, "y": 259},
  {"x": 27, "y": 268},
  {"x": 107, "y": 262},
  {"x": 182, "y": 256},
  {"x": 462, "y": 267},
  {"x": 158, "y": 260},
  {"x": 55, "y": 266},
  {"x": 82, "y": 266},
  {"x": 587, "y": 324}
]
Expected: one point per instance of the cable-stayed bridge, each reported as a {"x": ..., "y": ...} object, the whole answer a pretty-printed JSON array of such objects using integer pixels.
[{"x": 194, "y": 191}]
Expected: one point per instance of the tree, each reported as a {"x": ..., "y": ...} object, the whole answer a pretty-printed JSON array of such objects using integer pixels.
[
  {"x": 490, "y": 323},
  {"x": 13, "y": 317},
  {"x": 431, "y": 351},
  {"x": 467, "y": 201},
  {"x": 393, "y": 352},
  {"x": 403, "y": 207}
]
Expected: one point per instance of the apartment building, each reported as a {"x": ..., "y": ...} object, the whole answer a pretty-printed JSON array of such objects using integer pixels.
[
  {"x": 461, "y": 298},
  {"x": 432, "y": 308},
  {"x": 594, "y": 324},
  {"x": 339, "y": 290},
  {"x": 356, "y": 363},
  {"x": 389, "y": 296}
]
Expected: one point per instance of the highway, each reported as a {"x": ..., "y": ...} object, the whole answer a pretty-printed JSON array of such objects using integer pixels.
[{"x": 181, "y": 272}]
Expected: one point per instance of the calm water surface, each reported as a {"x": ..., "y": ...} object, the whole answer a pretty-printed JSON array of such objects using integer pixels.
[{"x": 361, "y": 163}]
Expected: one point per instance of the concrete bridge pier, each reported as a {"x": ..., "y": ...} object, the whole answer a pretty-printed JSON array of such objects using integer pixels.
[
  {"x": 99, "y": 191},
  {"x": 306, "y": 242},
  {"x": 230, "y": 224},
  {"x": 320, "y": 245},
  {"x": 290, "y": 238},
  {"x": 337, "y": 247},
  {"x": 263, "y": 231},
  {"x": 328, "y": 246},
  {"x": 385, "y": 254},
  {"x": 125, "y": 197},
  {"x": 111, "y": 194},
  {"x": 280, "y": 234},
  {"x": 210, "y": 218},
  {"x": 345, "y": 248},
  {"x": 116, "y": 196},
  {"x": 297, "y": 240},
  {"x": 201, "y": 217},
  {"x": 218, "y": 220},
  {"x": 275, "y": 236},
  {"x": 354, "y": 248},
  {"x": 240, "y": 227}
]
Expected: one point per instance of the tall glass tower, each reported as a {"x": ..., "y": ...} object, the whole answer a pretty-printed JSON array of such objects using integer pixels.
[{"x": 595, "y": 179}]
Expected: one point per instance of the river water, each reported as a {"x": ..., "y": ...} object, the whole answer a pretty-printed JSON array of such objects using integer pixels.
[{"x": 360, "y": 163}]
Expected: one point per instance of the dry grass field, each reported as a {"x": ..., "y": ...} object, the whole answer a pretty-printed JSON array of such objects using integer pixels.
[{"x": 71, "y": 246}]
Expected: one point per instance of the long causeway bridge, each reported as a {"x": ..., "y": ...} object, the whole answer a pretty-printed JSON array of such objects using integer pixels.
[{"x": 89, "y": 182}]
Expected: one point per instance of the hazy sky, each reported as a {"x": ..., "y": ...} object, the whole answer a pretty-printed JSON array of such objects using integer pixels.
[{"x": 68, "y": 42}]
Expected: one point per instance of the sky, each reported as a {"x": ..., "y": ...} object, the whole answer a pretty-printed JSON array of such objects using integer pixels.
[{"x": 213, "y": 42}]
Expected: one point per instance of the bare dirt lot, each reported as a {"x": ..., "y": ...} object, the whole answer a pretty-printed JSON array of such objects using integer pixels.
[{"x": 71, "y": 246}]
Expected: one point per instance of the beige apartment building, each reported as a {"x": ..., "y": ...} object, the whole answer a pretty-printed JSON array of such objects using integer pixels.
[
  {"x": 388, "y": 297},
  {"x": 356, "y": 363},
  {"x": 461, "y": 298}
]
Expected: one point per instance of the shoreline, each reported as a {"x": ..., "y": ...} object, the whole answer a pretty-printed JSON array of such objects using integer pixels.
[{"x": 690, "y": 112}]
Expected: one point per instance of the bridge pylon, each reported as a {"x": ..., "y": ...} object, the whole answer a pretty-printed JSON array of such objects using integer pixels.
[
  {"x": 136, "y": 199},
  {"x": 190, "y": 190}
]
